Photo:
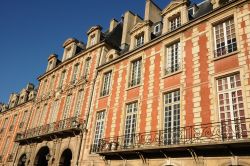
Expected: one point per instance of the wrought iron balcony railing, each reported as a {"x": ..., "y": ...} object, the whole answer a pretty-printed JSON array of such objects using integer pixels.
[
  {"x": 59, "y": 127},
  {"x": 224, "y": 132}
]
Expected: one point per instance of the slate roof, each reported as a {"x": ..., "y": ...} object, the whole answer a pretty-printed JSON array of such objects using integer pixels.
[
  {"x": 203, "y": 8},
  {"x": 114, "y": 37}
]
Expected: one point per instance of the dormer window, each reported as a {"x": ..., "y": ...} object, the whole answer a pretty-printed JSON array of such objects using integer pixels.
[
  {"x": 174, "y": 22},
  {"x": 67, "y": 55},
  {"x": 139, "y": 40},
  {"x": 157, "y": 28},
  {"x": 50, "y": 65},
  {"x": 191, "y": 11},
  {"x": 92, "y": 40}
]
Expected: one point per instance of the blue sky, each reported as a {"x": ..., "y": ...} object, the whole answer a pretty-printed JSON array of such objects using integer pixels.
[{"x": 31, "y": 30}]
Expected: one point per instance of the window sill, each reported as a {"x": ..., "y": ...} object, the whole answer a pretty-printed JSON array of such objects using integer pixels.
[
  {"x": 93, "y": 154},
  {"x": 172, "y": 74},
  {"x": 102, "y": 97},
  {"x": 133, "y": 87},
  {"x": 226, "y": 55}
]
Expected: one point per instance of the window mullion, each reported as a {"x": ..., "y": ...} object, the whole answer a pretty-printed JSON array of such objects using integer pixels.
[{"x": 225, "y": 35}]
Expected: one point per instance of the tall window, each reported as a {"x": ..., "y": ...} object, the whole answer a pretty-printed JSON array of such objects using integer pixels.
[
  {"x": 54, "y": 111},
  {"x": 130, "y": 123},
  {"x": 62, "y": 79},
  {"x": 67, "y": 107},
  {"x": 157, "y": 28},
  {"x": 231, "y": 106},
  {"x": 225, "y": 38},
  {"x": 173, "y": 58},
  {"x": 99, "y": 127},
  {"x": 44, "y": 90},
  {"x": 174, "y": 22},
  {"x": 13, "y": 122},
  {"x": 79, "y": 100},
  {"x": 75, "y": 71},
  {"x": 51, "y": 82},
  {"x": 106, "y": 83},
  {"x": 139, "y": 40},
  {"x": 35, "y": 118},
  {"x": 136, "y": 72},
  {"x": 86, "y": 68},
  {"x": 5, "y": 123},
  {"x": 172, "y": 117},
  {"x": 24, "y": 119},
  {"x": 6, "y": 145},
  {"x": 43, "y": 115}
]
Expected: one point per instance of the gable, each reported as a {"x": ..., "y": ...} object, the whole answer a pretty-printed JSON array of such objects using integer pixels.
[
  {"x": 173, "y": 5},
  {"x": 139, "y": 26}
]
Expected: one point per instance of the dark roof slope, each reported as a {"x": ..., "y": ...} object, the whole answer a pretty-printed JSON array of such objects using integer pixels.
[
  {"x": 114, "y": 37},
  {"x": 204, "y": 8}
]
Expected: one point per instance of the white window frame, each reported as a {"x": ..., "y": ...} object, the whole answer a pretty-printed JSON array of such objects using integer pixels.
[
  {"x": 75, "y": 72},
  {"x": 6, "y": 145},
  {"x": 173, "y": 58},
  {"x": 130, "y": 123},
  {"x": 136, "y": 72},
  {"x": 86, "y": 68},
  {"x": 54, "y": 111},
  {"x": 52, "y": 79},
  {"x": 229, "y": 105},
  {"x": 66, "y": 112},
  {"x": 139, "y": 40},
  {"x": 99, "y": 130},
  {"x": 13, "y": 124},
  {"x": 44, "y": 112},
  {"x": 175, "y": 22},
  {"x": 172, "y": 117},
  {"x": 159, "y": 28},
  {"x": 5, "y": 123},
  {"x": 78, "y": 104},
  {"x": 36, "y": 116},
  {"x": 220, "y": 32},
  {"x": 61, "y": 81},
  {"x": 24, "y": 119},
  {"x": 106, "y": 83}
]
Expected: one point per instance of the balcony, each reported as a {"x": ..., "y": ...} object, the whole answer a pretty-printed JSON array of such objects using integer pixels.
[
  {"x": 63, "y": 128},
  {"x": 224, "y": 138}
]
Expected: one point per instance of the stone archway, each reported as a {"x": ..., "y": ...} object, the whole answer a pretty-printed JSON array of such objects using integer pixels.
[
  {"x": 66, "y": 157},
  {"x": 22, "y": 160},
  {"x": 42, "y": 157}
]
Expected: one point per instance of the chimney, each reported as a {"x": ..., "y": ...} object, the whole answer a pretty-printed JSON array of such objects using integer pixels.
[
  {"x": 152, "y": 12},
  {"x": 113, "y": 24}
]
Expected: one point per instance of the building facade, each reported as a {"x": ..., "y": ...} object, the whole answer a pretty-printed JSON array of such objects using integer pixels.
[{"x": 171, "y": 88}]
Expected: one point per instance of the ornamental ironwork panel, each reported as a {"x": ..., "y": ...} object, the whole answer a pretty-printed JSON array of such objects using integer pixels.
[
  {"x": 52, "y": 128},
  {"x": 203, "y": 134}
]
